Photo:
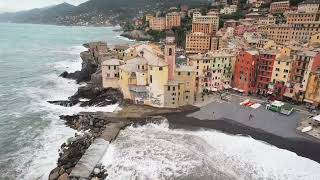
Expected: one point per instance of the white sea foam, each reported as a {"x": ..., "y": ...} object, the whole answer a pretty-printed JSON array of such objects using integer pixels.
[
  {"x": 44, "y": 157},
  {"x": 125, "y": 39},
  {"x": 156, "y": 152}
]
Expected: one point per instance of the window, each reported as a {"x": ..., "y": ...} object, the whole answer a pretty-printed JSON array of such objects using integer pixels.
[
  {"x": 170, "y": 51},
  {"x": 160, "y": 68},
  {"x": 173, "y": 88},
  {"x": 109, "y": 67},
  {"x": 150, "y": 78},
  {"x": 168, "y": 88},
  {"x": 115, "y": 67},
  {"x": 179, "y": 73},
  {"x": 189, "y": 73}
]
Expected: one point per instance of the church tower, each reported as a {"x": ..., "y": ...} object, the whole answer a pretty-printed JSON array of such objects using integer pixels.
[{"x": 170, "y": 54}]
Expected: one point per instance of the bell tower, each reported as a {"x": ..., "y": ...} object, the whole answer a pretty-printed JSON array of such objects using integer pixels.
[{"x": 170, "y": 54}]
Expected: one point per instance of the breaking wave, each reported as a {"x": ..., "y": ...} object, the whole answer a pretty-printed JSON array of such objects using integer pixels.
[{"x": 154, "y": 151}]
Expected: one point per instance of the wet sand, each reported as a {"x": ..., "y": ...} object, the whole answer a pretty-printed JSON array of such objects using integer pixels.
[{"x": 301, "y": 146}]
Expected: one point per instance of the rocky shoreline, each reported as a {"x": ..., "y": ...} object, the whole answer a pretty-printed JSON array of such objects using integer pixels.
[
  {"x": 137, "y": 35},
  {"x": 88, "y": 125},
  {"x": 91, "y": 125}
]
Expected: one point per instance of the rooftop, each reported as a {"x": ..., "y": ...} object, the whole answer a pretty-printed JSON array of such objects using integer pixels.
[
  {"x": 115, "y": 62},
  {"x": 184, "y": 68}
]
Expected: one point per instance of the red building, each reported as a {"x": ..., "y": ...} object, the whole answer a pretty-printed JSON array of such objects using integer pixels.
[
  {"x": 245, "y": 73},
  {"x": 264, "y": 71}
]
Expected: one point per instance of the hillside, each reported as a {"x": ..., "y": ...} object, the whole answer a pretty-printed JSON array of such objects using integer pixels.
[
  {"x": 94, "y": 11},
  {"x": 40, "y": 15}
]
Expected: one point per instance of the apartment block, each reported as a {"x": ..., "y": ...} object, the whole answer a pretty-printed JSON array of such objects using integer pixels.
[
  {"x": 283, "y": 33},
  {"x": 309, "y": 6},
  {"x": 198, "y": 42},
  {"x": 157, "y": 23},
  {"x": 214, "y": 70},
  {"x": 279, "y": 7},
  {"x": 264, "y": 71},
  {"x": 173, "y": 19},
  {"x": 245, "y": 73},
  {"x": 304, "y": 63}
]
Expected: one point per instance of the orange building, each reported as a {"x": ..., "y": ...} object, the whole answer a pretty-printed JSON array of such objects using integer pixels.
[
  {"x": 245, "y": 73},
  {"x": 313, "y": 88},
  {"x": 298, "y": 17},
  {"x": 173, "y": 19},
  {"x": 207, "y": 28},
  {"x": 157, "y": 23},
  {"x": 198, "y": 42}
]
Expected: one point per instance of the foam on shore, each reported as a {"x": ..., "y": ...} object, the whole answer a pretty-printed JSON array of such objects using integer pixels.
[{"x": 157, "y": 152}]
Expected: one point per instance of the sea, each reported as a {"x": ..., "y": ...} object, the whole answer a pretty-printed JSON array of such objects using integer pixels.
[{"x": 31, "y": 59}]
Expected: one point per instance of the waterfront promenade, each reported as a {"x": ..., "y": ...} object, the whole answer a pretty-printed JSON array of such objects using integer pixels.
[{"x": 213, "y": 108}]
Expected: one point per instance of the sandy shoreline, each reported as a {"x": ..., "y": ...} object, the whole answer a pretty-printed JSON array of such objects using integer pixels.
[{"x": 302, "y": 147}]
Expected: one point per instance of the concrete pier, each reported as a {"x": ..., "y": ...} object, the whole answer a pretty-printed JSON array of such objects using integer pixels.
[{"x": 95, "y": 152}]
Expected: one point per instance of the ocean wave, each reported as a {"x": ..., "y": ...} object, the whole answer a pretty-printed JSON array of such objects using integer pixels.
[
  {"x": 125, "y": 39},
  {"x": 156, "y": 152},
  {"x": 38, "y": 164}
]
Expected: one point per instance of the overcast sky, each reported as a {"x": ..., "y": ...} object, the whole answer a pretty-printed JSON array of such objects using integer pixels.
[{"x": 17, "y": 5}]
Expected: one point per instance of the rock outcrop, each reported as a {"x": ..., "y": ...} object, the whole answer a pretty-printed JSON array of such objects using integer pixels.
[{"x": 137, "y": 35}]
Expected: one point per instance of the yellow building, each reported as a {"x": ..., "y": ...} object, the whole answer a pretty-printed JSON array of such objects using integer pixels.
[
  {"x": 315, "y": 39},
  {"x": 120, "y": 50},
  {"x": 313, "y": 88},
  {"x": 281, "y": 69},
  {"x": 148, "y": 17},
  {"x": 145, "y": 78}
]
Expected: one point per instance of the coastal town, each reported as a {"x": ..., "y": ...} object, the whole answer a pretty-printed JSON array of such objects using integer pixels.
[
  {"x": 191, "y": 66},
  {"x": 264, "y": 55}
]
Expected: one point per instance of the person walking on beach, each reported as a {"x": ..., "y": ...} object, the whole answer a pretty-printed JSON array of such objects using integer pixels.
[
  {"x": 212, "y": 115},
  {"x": 250, "y": 117}
]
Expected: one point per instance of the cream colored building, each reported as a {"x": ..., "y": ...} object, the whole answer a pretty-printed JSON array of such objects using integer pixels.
[
  {"x": 309, "y": 6},
  {"x": 266, "y": 20},
  {"x": 282, "y": 33},
  {"x": 281, "y": 69},
  {"x": 110, "y": 73},
  {"x": 228, "y": 9}
]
